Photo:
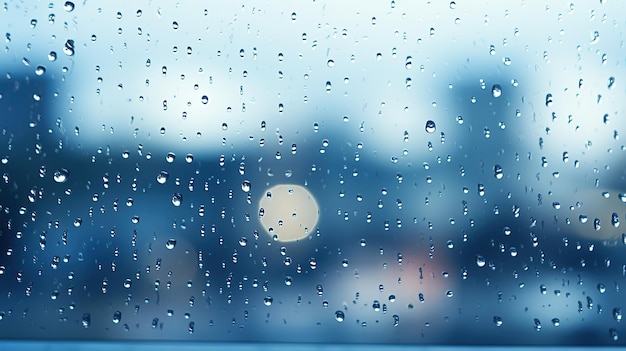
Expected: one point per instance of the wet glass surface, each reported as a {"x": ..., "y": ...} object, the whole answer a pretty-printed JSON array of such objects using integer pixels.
[{"x": 397, "y": 172}]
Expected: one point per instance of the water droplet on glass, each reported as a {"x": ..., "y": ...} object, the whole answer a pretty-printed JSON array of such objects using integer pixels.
[
  {"x": 617, "y": 314},
  {"x": 68, "y": 6},
  {"x": 86, "y": 320},
  {"x": 61, "y": 175},
  {"x": 496, "y": 90},
  {"x": 117, "y": 317},
  {"x": 430, "y": 126},
  {"x": 480, "y": 261},
  {"x": 170, "y": 157},
  {"x": 339, "y": 316},
  {"x": 549, "y": 100},
  {"x": 246, "y": 186},
  {"x": 68, "y": 48},
  {"x": 268, "y": 300},
  {"x": 497, "y": 171},
  {"x": 611, "y": 84},
  {"x": 170, "y": 244},
  {"x": 497, "y": 320},
  {"x": 162, "y": 177},
  {"x": 177, "y": 199}
]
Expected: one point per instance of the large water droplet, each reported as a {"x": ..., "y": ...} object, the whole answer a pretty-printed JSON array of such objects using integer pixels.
[
  {"x": 117, "y": 317},
  {"x": 162, "y": 177},
  {"x": 86, "y": 320},
  {"x": 170, "y": 244},
  {"x": 496, "y": 90},
  {"x": 68, "y": 6},
  {"x": 430, "y": 126},
  {"x": 68, "y": 48},
  {"x": 177, "y": 199},
  {"x": 497, "y": 171},
  {"x": 61, "y": 175},
  {"x": 339, "y": 316}
]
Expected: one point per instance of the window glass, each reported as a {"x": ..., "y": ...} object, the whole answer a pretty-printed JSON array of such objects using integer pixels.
[{"x": 389, "y": 172}]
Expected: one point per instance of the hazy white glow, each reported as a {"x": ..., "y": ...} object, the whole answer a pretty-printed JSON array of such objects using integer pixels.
[{"x": 288, "y": 211}]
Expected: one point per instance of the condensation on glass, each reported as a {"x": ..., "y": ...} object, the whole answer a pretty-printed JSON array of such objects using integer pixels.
[{"x": 363, "y": 172}]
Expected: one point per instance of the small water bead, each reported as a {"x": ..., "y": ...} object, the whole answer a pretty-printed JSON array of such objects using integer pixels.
[
  {"x": 68, "y": 48},
  {"x": 86, "y": 320},
  {"x": 177, "y": 199},
  {"x": 162, "y": 177},
  {"x": 40, "y": 70},
  {"x": 496, "y": 90},
  {"x": 480, "y": 261},
  {"x": 267, "y": 301},
  {"x": 68, "y": 6},
  {"x": 497, "y": 171},
  {"x": 339, "y": 316},
  {"x": 117, "y": 317},
  {"x": 611, "y": 84},
  {"x": 170, "y": 157},
  {"x": 246, "y": 186},
  {"x": 617, "y": 314},
  {"x": 170, "y": 244},
  {"x": 430, "y": 126},
  {"x": 549, "y": 100},
  {"x": 61, "y": 175}
]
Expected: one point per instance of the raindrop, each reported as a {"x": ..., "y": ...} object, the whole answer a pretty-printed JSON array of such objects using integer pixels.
[
  {"x": 246, "y": 186},
  {"x": 68, "y": 6},
  {"x": 170, "y": 157},
  {"x": 611, "y": 84},
  {"x": 496, "y": 90},
  {"x": 430, "y": 126},
  {"x": 68, "y": 48},
  {"x": 162, "y": 177},
  {"x": 117, "y": 317},
  {"x": 170, "y": 244},
  {"x": 268, "y": 300},
  {"x": 61, "y": 175},
  {"x": 86, "y": 320},
  {"x": 339, "y": 316},
  {"x": 617, "y": 314},
  {"x": 497, "y": 170},
  {"x": 549, "y": 100},
  {"x": 177, "y": 199}
]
